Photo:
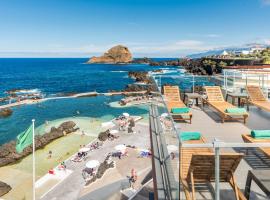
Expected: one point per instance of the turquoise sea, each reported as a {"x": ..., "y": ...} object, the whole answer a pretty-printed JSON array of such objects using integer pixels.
[{"x": 54, "y": 77}]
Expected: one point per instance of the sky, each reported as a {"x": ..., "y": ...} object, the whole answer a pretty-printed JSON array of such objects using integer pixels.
[{"x": 152, "y": 28}]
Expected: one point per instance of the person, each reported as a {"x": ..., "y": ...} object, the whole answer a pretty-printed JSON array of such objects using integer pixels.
[
  {"x": 119, "y": 155},
  {"x": 64, "y": 164},
  {"x": 50, "y": 154},
  {"x": 51, "y": 171},
  {"x": 133, "y": 178},
  {"x": 131, "y": 125},
  {"x": 172, "y": 155},
  {"x": 83, "y": 134}
]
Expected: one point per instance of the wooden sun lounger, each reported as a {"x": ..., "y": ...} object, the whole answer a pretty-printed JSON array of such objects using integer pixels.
[
  {"x": 173, "y": 100},
  {"x": 197, "y": 165},
  {"x": 249, "y": 139},
  {"x": 216, "y": 100},
  {"x": 257, "y": 98}
]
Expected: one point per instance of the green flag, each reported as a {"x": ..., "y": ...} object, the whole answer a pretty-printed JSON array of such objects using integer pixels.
[{"x": 24, "y": 139}]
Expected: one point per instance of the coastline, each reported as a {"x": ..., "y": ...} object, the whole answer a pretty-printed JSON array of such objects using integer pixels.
[
  {"x": 23, "y": 169},
  {"x": 79, "y": 95}
]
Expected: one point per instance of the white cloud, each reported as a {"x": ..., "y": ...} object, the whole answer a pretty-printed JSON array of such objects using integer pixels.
[
  {"x": 212, "y": 35},
  {"x": 266, "y": 2},
  {"x": 162, "y": 49}
]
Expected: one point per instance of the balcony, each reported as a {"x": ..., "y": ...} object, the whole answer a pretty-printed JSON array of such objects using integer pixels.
[{"x": 225, "y": 159}]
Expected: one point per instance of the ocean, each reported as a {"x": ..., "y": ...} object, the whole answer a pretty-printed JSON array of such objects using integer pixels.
[
  {"x": 58, "y": 76},
  {"x": 63, "y": 75}
]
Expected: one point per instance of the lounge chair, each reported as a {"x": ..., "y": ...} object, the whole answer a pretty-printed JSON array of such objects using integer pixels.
[
  {"x": 173, "y": 100},
  {"x": 249, "y": 139},
  {"x": 216, "y": 100},
  {"x": 257, "y": 98},
  {"x": 197, "y": 165}
]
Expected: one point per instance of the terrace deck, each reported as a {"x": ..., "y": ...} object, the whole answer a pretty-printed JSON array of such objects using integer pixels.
[{"x": 208, "y": 123}]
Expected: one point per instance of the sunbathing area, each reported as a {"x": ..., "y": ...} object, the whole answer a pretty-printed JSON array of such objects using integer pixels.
[
  {"x": 238, "y": 136},
  {"x": 105, "y": 167}
]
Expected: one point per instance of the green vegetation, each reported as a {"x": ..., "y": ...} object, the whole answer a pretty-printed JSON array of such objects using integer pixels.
[{"x": 263, "y": 55}]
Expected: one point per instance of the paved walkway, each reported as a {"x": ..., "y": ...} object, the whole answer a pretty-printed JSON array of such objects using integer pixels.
[{"x": 71, "y": 187}]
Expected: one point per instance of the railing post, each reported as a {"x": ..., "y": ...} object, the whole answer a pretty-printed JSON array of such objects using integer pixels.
[
  {"x": 193, "y": 83},
  {"x": 160, "y": 82},
  {"x": 226, "y": 82},
  {"x": 217, "y": 169}
]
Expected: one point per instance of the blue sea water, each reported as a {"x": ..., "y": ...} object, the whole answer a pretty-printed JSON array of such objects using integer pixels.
[
  {"x": 63, "y": 75},
  {"x": 55, "y": 76}
]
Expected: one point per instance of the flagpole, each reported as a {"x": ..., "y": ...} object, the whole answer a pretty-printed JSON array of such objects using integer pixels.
[{"x": 33, "y": 152}]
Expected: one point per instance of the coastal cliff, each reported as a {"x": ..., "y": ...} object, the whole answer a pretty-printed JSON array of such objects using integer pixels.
[{"x": 117, "y": 54}]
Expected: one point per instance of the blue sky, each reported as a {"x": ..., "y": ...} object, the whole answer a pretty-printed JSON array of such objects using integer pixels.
[{"x": 154, "y": 28}]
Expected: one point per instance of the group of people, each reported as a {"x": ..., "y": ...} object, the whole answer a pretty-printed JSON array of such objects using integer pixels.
[
  {"x": 95, "y": 145},
  {"x": 134, "y": 99},
  {"x": 111, "y": 137},
  {"x": 125, "y": 122},
  {"x": 120, "y": 154},
  {"x": 87, "y": 172}
]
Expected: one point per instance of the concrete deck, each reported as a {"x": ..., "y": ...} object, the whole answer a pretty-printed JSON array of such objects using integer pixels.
[
  {"x": 73, "y": 187},
  {"x": 208, "y": 123}
]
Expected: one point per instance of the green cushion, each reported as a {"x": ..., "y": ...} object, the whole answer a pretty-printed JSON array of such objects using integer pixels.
[
  {"x": 236, "y": 110},
  {"x": 180, "y": 110},
  {"x": 260, "y": 134},
  {"x": 185, "y": 136}
]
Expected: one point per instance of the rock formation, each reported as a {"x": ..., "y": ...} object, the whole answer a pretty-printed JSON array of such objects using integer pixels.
[
  {"x": 8, "y": 153},
  {"x": 4, "y": 188},
  {"x": 6, "y": 112},
  {"x": 117, "y": 54},
  {"x": 141, "y": 77}
]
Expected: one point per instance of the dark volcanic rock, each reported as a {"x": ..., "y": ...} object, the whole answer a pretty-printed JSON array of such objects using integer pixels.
[
  {"x": 6, "y": 112},
  {"x": 103, "y": 136},
  {"x": 4, "y": 188},
  {"x": 117, "y": 54},
  {"x": 144, "y": 60},
  {"x": 141, "y": 77},
  {"x": 8, "y": 153},
  {"x": 166, "y": 63},
  {"x": 103, "y": 167}
]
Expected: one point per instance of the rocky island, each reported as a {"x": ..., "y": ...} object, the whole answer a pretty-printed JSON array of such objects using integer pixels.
[{"x": 117, "y": 54}]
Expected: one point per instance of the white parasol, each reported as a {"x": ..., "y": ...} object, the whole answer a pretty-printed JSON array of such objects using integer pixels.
[
  {"x": 144, "y": 150},
  {"x": 172, "y": 148},
  {"x": 107, "y": 125},
  {"x": 92, "y": 164},
  {"x": 164, "y": 115},
  {"x": 126, "y": 114},
  {"x": 120, "y": 147},
  {"x": 84, "y": 149},
  {"x": 114, "y": 131}
]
